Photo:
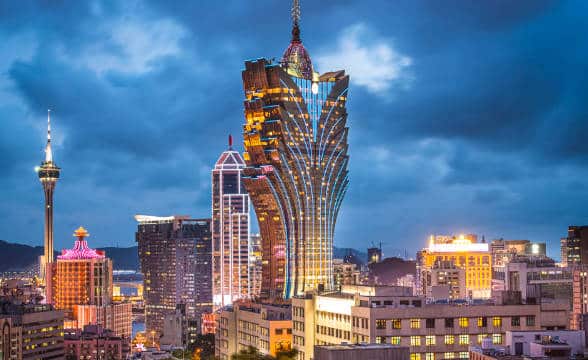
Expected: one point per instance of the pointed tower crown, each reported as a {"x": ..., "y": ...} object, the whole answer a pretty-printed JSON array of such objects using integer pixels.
[
  {"x": 230, "y": 158},
  {"x": 48, "y": 152},
  {"x": 81, "y": 250},
  {"x": 296, "y": 59}
]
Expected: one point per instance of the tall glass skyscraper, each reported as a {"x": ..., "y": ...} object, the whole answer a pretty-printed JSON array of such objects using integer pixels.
[
  {"x": 175, "y": 255},
  {"x": 296, "y": 155},
  {"x": 230, "y": 230}
]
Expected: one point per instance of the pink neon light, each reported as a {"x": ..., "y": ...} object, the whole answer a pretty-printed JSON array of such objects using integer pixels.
[
  {"x": 266, "y": 169},
  {"x": 80, "y": 251}
]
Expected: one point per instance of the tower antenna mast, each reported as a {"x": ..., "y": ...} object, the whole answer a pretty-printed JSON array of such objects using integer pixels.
[{"x": 295, "y": 12}]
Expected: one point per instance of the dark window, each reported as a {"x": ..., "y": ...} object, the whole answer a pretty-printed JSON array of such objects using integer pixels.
[
  {"x": 531, "y": 320},
  {"x": 515, "y": 321},
  {"x": 449, "y": 322},
  {"x": 430, "y": 323}
]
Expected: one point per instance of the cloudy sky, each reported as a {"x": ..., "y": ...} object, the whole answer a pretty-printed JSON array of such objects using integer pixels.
[{"x": 465, "y": 116}]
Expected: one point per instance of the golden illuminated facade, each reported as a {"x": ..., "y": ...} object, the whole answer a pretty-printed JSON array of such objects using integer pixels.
[
  {"x": 296, "y": 159},
  {"x": 81, "y": 276},
  {"x": 455, "y": 268}
]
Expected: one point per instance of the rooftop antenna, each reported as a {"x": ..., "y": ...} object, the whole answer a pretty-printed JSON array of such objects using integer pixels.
[
  {"x": 48, "y": 152},
  {"x": 295, "y": 13}
]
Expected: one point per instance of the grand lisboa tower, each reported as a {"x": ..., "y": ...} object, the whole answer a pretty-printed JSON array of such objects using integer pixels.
[{"x": 296, "y": 160}]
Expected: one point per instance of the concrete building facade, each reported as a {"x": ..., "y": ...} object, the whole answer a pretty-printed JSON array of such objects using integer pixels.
[
  {"x": 36, "y": 328},
  {"x": 390, "y": 315},
  {"x": 265, "y": 327}
]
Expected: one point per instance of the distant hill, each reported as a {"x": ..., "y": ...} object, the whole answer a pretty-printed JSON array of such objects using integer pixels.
[
  {"x": 16, "y": 257},
  {"x": 123, "y": 258},
  {"x": 19, "y": 257}
]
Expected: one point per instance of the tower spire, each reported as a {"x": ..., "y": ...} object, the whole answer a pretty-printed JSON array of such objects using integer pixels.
[
  {"x": 295, "y": 13},
  {"x": 48, "y": 152}
]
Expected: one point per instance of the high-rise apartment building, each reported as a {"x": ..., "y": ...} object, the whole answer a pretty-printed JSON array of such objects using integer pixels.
[
  {"x": 295, "y": 138},
  {"x": 576, "y": 245},
  {"x": 48, "y": 174},
  {"x": 175, "y": 256},
  {"x": 230, "y": 230},
  {"x": 82, "y": 289},
  {"x": 579, "y": 298},
  {"x": 81, "y": 276}
]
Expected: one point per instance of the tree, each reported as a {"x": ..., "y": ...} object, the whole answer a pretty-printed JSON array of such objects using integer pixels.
[
  {"x": 252, "y": 353},
  {"x": 287, "y": 355}
]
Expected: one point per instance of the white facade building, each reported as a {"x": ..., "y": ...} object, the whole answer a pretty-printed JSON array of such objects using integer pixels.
[{"x": 230, "y": 230}]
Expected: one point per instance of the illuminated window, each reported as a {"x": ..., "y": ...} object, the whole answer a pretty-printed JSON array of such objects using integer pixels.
[
  {"x": 496, "y": 339},
  {"x": 380, "y": 340},
  {"x": 497, "y": 321},
  {"x": 396, "y": 324},
  {"x": 481, "y": 337},
  {"x": 464, "y": 355},
  {"x": 449, "y": 355},
  {"x": 430, "y": 340},
  {"x": 395, "y": 340},
  {"x": 464, "y": 339},
  {"x": 449, "y": 339},
  {"x": 415, "y": 356},
  {"x": 482, "y": 322},
  {"x": 463, "y": 322},
  {"x": 429, "y": 356},
  {"x": 415, "y": 323},
  {"x": 415, "y": 341},
  {"x": 380, "y": 324}
]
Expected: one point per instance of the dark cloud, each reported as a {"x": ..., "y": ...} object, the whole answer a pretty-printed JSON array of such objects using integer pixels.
[{"x": 484, "y": 132}]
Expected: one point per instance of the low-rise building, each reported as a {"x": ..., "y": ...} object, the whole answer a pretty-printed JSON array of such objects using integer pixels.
[
  {"x": 525, "y": 345},
  {"x": 117, "y": 317},
  {"x": 93, "y": 343},
  {"x": 178, "y": 329},
  {"x": 390, "y": 315},
  {"x": 36, "y": 328},
  {"x": 10, "y": 339},
  {"x": 345, "y": 273},
  {"x": 359, "y": 351},
  {"x": 263, "y": 326},
  {"x": 534, "y": 277},
  {"x": 545, "y": 343}
]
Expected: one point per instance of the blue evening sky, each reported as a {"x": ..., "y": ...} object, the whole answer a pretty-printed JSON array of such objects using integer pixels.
[{"x": 465, "y": 116}]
